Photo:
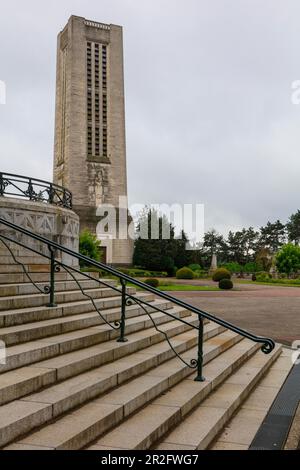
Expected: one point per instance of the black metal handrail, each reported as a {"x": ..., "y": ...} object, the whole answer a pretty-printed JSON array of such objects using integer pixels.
[
  {"x": 34, "y": 190},
  {"x": 127, "y": 298}
]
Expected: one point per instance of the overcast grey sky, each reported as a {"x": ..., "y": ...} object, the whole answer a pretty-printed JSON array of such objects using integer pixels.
[{"x": 208, "y": 100}]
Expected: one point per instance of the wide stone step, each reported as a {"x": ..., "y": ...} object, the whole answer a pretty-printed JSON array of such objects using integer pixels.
[
  {"x": 28, "y": 315},
  {"x": 242, "y": 428},
  {"x": 43, "y": 329},
  {"x": 21, "y": 382},
  {"x": 108, "y": 410},
  {"x": 8, "y": 290},
  {"x": 36, "y": 351},
  {"x": 75, "y": 391},
  {"x": 37, "y": 300},
  {"x": 37, "y": 265},
  {"x": 21, "y": 277},
  {"x": 200, "y": 428}
]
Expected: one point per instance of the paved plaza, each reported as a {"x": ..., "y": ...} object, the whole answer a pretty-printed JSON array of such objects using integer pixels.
[{"x": 265, "y": 310}]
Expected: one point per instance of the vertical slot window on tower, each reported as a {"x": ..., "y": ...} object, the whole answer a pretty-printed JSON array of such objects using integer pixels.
[
  {"x": 89, "y": 99},
  {"x": 97, "y": 114},
  {"x": 97, "y": 141},
  {"x": 104, "y": 101},
  {"x": 104, "y": 142},
  {"x": 89, "y": 64},
  {"x": 90, "y": 141},
  {"x": 104, "y": 67}
]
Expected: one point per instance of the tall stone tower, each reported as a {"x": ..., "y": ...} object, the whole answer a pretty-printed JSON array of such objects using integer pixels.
[{"x": 90, "y": 148}]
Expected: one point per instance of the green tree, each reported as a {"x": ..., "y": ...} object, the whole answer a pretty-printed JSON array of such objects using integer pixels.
[
  {"x": 288, "y": 259},
  {"x": 272, "y": 236},
  {"x": 155, "y": 249},
  {"x": 182, "y": 256},
  {"x": 293, "y": 228},
  {"x": 214, "y": 243},
  {"x": 251, "y": 237},
  {"x": 236, "y": 247},
  {"x": 89, "y": 245},
  {"x": 264, "y": 259}
]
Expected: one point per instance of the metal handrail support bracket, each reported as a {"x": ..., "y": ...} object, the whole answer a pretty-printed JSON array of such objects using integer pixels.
[{"x": 122, "y": 338}]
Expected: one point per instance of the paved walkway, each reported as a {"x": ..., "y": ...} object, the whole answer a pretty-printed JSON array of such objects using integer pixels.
[{"x": 265, "y": 310}]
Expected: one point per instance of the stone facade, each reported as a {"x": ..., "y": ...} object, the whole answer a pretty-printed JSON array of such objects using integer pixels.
[
  {"x": 90, "y": 150},
  {"x": 52, "y": 222}
]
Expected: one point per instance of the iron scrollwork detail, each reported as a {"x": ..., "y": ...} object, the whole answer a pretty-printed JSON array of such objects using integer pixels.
[
  {"x": 43, "y": 290},
  {"x": 35, "y": 190},
  {"x": 90, "y": 298},
  {"x": 193, "y": 364}
]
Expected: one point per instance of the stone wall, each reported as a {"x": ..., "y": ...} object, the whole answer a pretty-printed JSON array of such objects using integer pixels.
[{"x": 52, "y": 222}]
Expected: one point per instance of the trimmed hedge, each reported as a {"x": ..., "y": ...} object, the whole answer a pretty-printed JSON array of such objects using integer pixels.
[
  {"x": 185, "y": 273},
  {"x": 195, "y": 267},
  {"x": 220, "y": 274},
  {"x": 225, "y": 284},
  {"x": 152, "y": 282}
]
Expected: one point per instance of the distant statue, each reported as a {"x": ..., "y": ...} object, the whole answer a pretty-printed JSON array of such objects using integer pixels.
[
  {"x": 214, "y": 264},
  {"x": 273, "y": 270}
]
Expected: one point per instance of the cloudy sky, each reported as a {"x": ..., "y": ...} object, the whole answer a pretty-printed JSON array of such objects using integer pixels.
[{"x": 208, "y": 100}]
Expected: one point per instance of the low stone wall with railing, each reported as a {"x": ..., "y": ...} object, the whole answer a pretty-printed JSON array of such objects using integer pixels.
[{"x": 50, "y": 221}]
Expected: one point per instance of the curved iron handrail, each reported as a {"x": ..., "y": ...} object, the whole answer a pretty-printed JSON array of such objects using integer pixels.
[
  {"x": 35, "y": 190},
  {"x": 267, "y": 343},
  {"x": 127, "y": 299}
]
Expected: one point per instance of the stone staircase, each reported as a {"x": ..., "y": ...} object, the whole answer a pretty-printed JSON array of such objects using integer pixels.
[{"x": 68, "y": 384}]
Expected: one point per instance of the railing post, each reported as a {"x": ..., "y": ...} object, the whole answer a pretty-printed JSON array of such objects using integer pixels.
[
  {"x": 51, "y": 194},
  {"x": 122, "y": 338},
  {"x": 200, "y": 377},
  {"x": 1, "y": 185},
  {"x": 52, "y": 277}
]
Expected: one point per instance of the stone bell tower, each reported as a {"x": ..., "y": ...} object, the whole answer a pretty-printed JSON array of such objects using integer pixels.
[{"x": 90, "y": 147}]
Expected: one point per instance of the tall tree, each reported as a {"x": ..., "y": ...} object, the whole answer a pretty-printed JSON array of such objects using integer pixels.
[
  {"x": 250, "y": 243},
  {"x": 293, "y": 228},
  {"x": 156, "y": 247},
  {"x": 182, "y": 256},
  {"x": 236, "y": 246},
  {"x": 272, "y": 236},
  {"x": 214, "y": 243},
  {"x": 288, "y": 259}
]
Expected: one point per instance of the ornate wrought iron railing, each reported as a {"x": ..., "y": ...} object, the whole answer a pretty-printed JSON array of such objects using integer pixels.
[
  {"x": 126, "y": 298},
  {"x": 34, "y": 190}
]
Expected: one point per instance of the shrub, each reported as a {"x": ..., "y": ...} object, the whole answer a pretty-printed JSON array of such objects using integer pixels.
[
  {"x": 220, "y": 274},
  {"x": 89, "y": 245},
  {"x": 288, "y": 259},
  {"x": 195, "y": 267},
  {"x": 124, "y": 270},
  {"x": 225, "y": 284},
  {"x": 251, "y": 267},
  {"x": 152, "y": 282},
  {"x": 159, "y": 273},
  {"x": 263, "y": 276},
  {"x": 201, "y": 274},
  {"x": 233, "y": 267},
  {"x": 138, "y": 273},
  {"x": 185, "y": 273}
]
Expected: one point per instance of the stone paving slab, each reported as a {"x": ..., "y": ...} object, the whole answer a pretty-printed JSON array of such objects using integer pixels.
[{"x": 264, "y": 310}]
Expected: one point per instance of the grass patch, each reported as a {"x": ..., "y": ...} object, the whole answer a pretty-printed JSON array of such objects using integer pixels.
[
  {"x": 182, "y": 287},
  {"x": 278, "y": 283},
  {"x": 179, "y": 287}
]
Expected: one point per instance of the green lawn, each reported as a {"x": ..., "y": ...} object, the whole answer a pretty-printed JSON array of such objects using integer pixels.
[
  {"x": 261, "y": 283},
  {"x": 180, "y": 287},
  {"x": 183, "y": 287}
]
